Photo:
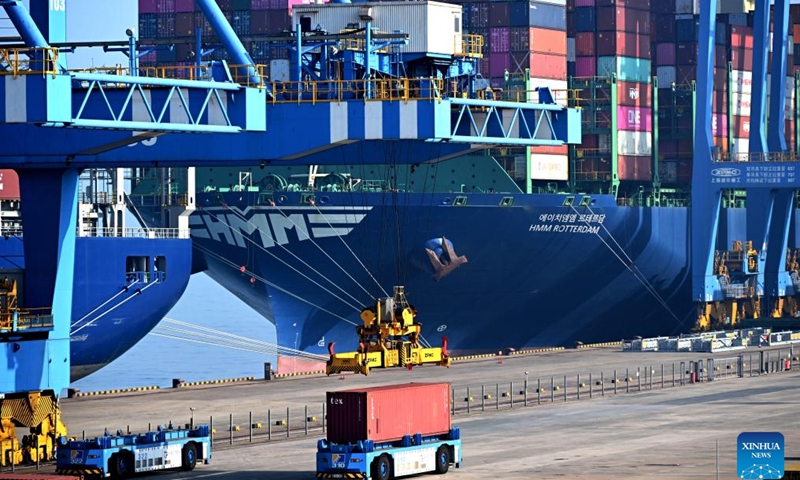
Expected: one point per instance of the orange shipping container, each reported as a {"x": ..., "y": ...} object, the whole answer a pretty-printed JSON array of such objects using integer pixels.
[
  {"x": 388, "y": 413},
  {"x": 544, "y": 40}
]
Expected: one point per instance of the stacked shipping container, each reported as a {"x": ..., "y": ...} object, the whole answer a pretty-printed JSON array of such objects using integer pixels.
[
  {"x": 180, "y": 19},
  {"x": 633, "y": 39},
  {"x": 612, "y": 38}
]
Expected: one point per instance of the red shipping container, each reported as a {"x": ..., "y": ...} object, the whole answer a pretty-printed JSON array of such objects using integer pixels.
[
  {"x": 635, "y": 167},
  {"x": 622, "y": 19},
  {"x": 741, "y": 126},
  {"x": 9, "y": 185},
  {"x": 388, "y": 413},
  {"x": 544, "y": 40},
  {"x": 741, "y": 59},
  {"x": 584, "y": 44},
  {"x": 585, "y": 66},
  {"x": 665, "y": 54},
  {"x": 546, "y": 66},
  {"x": 633, "y": 94},
  {"x": 549, "y": 150},
  {"x": 623, "y": 44},
  {"x": 740, "y": 36}
]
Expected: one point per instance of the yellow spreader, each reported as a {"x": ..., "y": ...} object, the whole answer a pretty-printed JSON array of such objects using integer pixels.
[{"x": 388, "y": 338}]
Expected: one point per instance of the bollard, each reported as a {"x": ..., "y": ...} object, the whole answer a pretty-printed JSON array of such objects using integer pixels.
[
  {"x": 602, "y": 385},
  {"x": 539, "y": 391},
  {"x": 552, "y": 389},
  {"x": 627, "y": 381}
]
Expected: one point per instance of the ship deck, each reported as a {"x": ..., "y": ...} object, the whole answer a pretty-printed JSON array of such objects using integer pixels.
[{"x": 668, "y": 432}]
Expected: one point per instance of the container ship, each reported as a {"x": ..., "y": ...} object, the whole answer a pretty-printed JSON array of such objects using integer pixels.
[
  {"x": 125, "y": 280},
  {"x": 512, "y": 248}
]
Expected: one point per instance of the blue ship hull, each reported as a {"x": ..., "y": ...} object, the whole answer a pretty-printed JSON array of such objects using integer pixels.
[
  {"x": 537, "y": 273},
  {"x": 107, "y": 320}
]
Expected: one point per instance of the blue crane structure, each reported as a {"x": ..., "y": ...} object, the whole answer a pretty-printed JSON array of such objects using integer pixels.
[
  {"x": 57, "y": 122},
  {"x": 745, "y": 284}
]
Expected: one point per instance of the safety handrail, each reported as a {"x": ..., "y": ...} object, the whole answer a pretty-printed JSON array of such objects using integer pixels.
[{"x": 29, "y": 61}]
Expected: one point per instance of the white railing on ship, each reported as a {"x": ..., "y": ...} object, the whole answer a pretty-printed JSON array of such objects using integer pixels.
[
  {"x": 134, "y": 232},
  {"x": 114, "y": 232}
]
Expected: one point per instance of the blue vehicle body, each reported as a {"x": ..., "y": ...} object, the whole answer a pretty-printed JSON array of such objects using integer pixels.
[
  {"x": 122, "y": 455},
  {"x": 408, "y": 456}
]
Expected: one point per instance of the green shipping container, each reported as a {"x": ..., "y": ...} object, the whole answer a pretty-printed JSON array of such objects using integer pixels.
[{"x": 627, "y": 69}]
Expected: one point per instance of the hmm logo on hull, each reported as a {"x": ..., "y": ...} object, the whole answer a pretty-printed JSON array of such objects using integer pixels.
[
  {"x": 760, "y": 455},
  {"x": 268, "y": 226}
]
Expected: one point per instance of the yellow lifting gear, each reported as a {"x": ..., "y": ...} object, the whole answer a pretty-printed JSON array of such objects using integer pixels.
[
  {"x": 39, "y": 414},
  {"x": 388, "y": 338}
]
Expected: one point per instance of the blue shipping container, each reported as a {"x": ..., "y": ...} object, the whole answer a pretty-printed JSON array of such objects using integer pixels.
[
  {"x": 585, "y": 19},
  {"x": 547, "y": 15},
  {"x": 627, "y": 69},
  {"x": 148, "y": 25},
  {"x": 518, "y": 13},
  {"x": 686, "y": 29}
]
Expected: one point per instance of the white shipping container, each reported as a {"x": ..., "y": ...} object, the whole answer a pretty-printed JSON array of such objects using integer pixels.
[
  {"x": 279, "y": 70},
  {"x": 741, "y": 104},
  {"x": 740, "y": 145},
  {"x": 570, "y": 49},
  {"x": 548, "y": 167},
  {"x": 666, "y": 76},
  {"x": 634, "y": 143},
  {"x": 742, "y": 81},
  {"x": 432, "y": 26},
  {"x": 557, "y": 87}
]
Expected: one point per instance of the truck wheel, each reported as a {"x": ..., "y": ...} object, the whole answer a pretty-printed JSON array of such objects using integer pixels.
[
  {"x": 189, "y": 457},
  {"x": 442, "y": 459},
  {"x": 120, "y": 465},
  {"x": 382, "y": 468}
]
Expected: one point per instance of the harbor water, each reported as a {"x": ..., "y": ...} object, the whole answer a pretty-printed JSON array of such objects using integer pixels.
[{"x": 157, "y": 360}]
